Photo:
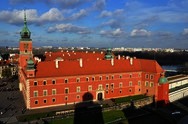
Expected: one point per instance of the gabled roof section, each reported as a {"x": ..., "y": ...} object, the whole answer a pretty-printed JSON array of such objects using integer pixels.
[{"x": 94, "y": 66}]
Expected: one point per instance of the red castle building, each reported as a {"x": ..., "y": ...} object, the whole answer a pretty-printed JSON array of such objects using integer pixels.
[{"x": 64, "y": 77}]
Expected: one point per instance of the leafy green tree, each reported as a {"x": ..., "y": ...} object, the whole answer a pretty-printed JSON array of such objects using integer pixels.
[{"x": 6, "y": 72}]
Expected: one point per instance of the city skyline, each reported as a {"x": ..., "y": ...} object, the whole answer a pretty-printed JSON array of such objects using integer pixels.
[{"x": 100, "y": 23}]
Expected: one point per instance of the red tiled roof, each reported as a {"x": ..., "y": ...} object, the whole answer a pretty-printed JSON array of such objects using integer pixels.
[
  {"x": 94, "y": 66},
  {"x": 71, "y": 55}
]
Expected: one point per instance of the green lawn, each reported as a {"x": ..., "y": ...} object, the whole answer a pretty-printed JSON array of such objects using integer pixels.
[
  {"x": 114, "y": 115},
  {"x": 24, "y": 118},
  {"x": 110, "y": 116}
]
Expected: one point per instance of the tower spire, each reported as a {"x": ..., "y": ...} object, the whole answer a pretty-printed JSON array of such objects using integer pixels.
[
  {"x": 25, "y": 20},
  {"x": 25, "y": 33}
]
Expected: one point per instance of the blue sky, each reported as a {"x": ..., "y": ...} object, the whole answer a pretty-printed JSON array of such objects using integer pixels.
[{"x": 97, "y": 23}]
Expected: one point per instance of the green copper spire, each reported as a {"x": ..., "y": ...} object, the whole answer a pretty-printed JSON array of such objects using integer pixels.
[{"x": 25, "y": 33}]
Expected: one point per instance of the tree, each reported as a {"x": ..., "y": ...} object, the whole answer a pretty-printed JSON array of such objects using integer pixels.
[{"x": 6, "y": 72}]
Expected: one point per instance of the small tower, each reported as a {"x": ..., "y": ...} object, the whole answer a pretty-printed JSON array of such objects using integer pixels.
[
  {"x": 25, "y": 44},
  {"x": 30, "y": 70},
  {"x": 109, "y": 55},
  {"x": 163, "y": 90}
]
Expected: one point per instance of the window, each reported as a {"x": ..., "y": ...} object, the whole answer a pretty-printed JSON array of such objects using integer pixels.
[
  {"x": 89, "y": 88},
  {"x": 93, "y": 78},
  {"x": 151, "y": 84},
  {"x": 112, "y": 91},
  {"x": 107, "y": 91},
  {"x": 77, "y": 89},
  {"x": 120, "y": 85},
  {"x": 130, "y": 83},
  {"x": 112, "y": 86},
  {"x": 53, "y": 91},
  {"x": 78, "y": 80},
  {"x": 112, "y": 77},
  {"x": 146, "y": 83},
  {"x": 130, "y": 75},
  {"x": 139, "y": 90},
  {"x": 45, "y": 93},
  {"x": 87, "y": 79},
  {"x": 151, "y": 77},
  {"x": 139, "y": 83},
  {"x": 107, "y": 77},
  {"x": 130, "y": 90},
  {"x": 35, "y": 83},
  {"x": 120, "y": 91},
  {"x": 107, "y": 86},
  {"x": 66, "y": 90},
  {"x": 45, "y": 101},
  {"x": 78, "y": 96},
  {"x": 66, "y": 80},
  {"x": 100, "y": 78},
  {"x": 44, "y": 82},
  {"x": 120, "y": 76},
  {"x": 35, "y": 93},
  {"x": 53, "y": 99},
  {"x": 100, "y": 87},
  {"x": 66, "y": 98},
  {"x": 53, "y": 81},
  {"x": 147, "y": 76},
  {"x": 36, "y": 101}
]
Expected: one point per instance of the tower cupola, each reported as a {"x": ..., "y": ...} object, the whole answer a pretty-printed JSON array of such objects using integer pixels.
[
  {"x": 30, "y": 64},
  {"x": 25, "y": 33},
  {"x": 109, "y": 54}
]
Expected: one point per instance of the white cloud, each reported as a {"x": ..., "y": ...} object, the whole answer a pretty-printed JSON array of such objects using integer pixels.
[
  {"x": 105, "y": 14},
  {"x": 78, "y": 15},
  {"x": 112, "y": 23},
  {"x": 17, "y": 16},
  {"x": 115, "y": 13},
  {"x": 68, "y": 28},
  {"x": 112, "y": 33},
  {"x": 140, "y": 33},
  {"x": 185, "y": 31},
  {"x": 52, "y": 15}
]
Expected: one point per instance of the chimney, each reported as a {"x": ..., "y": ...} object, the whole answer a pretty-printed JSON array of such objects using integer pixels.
[
  {"x": 131, "y": 61},
  {"x": 57, "y": 63},
  {"x": 101, "y": 52},
  {"x": 81, "y": 62},
  {"x": 119, "y": 57},
  {"x": 93, "y": 52},
  {"x": 112, "y": 62}
]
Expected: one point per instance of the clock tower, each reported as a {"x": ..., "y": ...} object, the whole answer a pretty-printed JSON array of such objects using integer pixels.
[{"x": 25, "y": 45}]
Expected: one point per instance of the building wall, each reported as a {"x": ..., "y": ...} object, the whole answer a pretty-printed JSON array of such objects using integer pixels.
[{"x": 124, "y": 84}]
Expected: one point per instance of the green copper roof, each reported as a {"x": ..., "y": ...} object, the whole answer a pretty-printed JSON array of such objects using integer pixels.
[
  {"x": 30, "y": 64},
  {"x": 109, "y": 54},
  {"x": 163, "y": 80},
  {"x": 25, "y": 33}
]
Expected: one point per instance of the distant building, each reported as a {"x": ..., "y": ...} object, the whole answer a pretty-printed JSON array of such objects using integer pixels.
[{"x": 69, "y": 77}]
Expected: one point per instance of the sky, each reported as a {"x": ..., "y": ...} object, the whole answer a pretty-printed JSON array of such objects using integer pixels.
[{"x": 97, "y": 23}]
